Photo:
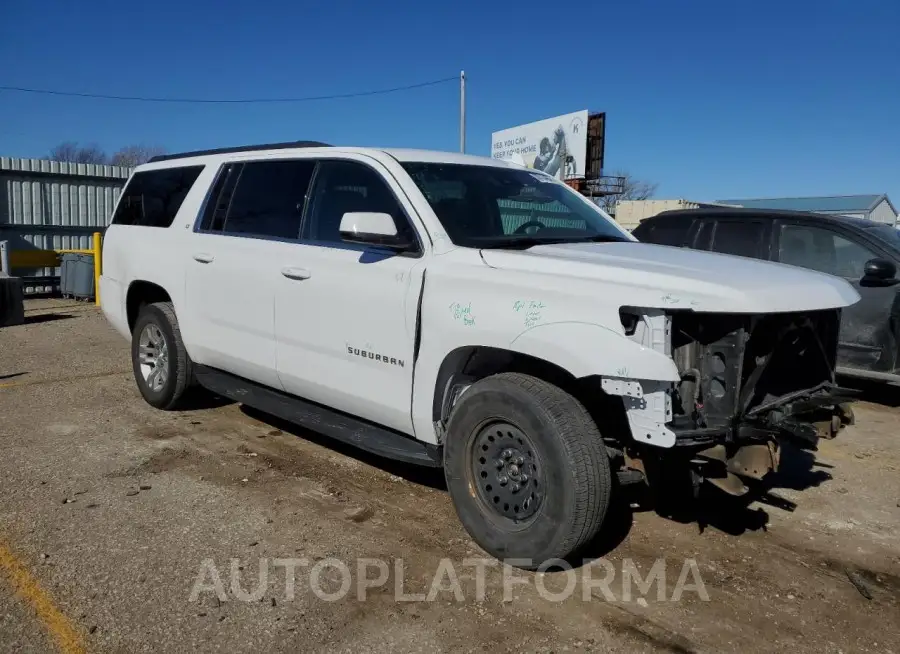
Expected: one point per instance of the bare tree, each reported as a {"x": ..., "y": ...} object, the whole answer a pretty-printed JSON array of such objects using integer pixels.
[
  {"x": 71, "y": 151},
  {"x": 633, "y": 189},
  {"x": 67, "y": 151},
  {"x": 134, "y": 155},
  {"x": 91, "y": 154}
]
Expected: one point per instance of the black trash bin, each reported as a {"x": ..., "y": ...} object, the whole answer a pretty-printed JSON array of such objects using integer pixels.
[
  {"x": 77, "y": 275},
  {"x": 12, "y": 300}
]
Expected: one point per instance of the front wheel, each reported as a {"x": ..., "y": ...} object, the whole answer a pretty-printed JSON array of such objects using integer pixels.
[
  {"x": 526, "y": 468},
  {"x": 162, "y": 368}
]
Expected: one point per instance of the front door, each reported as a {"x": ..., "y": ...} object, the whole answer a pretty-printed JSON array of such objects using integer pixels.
[
  {"x": 866, "y": 341},
  {"x": 345, "y": 314}
]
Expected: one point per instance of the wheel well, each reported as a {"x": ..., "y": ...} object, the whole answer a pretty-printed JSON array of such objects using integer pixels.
[
  {"x": 467, "y": 365},
  {"x": 141, "y": 293}
]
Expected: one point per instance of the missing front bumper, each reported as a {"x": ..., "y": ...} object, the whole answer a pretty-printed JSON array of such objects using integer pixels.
[{"x": 802, "y": 417}]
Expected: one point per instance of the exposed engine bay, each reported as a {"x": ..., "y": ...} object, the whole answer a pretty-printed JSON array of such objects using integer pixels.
[
  {"x": 746, "y": 371},
  {"x": 748, "y": 382}
]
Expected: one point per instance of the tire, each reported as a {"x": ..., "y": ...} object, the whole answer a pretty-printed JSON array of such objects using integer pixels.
[
  {"x": 160, "y": 321},
  {"x": 561, "y": 504}
]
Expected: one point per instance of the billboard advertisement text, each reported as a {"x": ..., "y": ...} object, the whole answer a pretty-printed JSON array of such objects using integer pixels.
[{"x": 558, "y": 146}]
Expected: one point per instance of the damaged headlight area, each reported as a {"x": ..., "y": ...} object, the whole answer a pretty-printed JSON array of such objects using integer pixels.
[{"x": 747, "y": 382}]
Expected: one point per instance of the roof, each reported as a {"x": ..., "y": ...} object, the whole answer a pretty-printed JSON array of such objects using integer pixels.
[
  {"x": 738, "y": 212},
  {"x": 825, "y": 204},
  {"x": 438, "y": 156},
  {"x": 283, "y": 150},
  {"x": 240, "y": 148}
]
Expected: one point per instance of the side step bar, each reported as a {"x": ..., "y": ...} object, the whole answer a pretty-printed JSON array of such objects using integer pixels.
[{"x": 340, "y": 426}]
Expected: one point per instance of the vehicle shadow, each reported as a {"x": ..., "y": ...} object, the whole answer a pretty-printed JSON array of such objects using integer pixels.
[
  {"x": 798, "y": 470},
  {"x": 198, "y": 399},
  {"x": 734, "y": 515},
  {"x": 46, "y": 317},
  {"x": 882, "y": 393},
  {"x": 709, "y": 507},
  {"x": 420, "y": 475}
]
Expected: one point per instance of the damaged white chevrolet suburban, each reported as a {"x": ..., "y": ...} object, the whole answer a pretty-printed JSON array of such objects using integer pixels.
[{"x": 463, "y": 312}]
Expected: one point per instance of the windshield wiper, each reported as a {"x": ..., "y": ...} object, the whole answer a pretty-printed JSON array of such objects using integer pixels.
[{"x": 512, "y": 242}]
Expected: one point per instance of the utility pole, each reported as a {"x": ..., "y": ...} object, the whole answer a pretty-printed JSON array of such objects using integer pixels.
[{"x": 462, "y": 111}]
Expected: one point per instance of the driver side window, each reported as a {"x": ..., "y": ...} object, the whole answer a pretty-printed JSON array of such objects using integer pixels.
[
  {"x": 823, "y": 250},
  {"x": 346, "y": 186}
]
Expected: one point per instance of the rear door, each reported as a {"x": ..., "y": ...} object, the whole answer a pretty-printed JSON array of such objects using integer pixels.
[
  {"x": 247, "y": 233},
  {"x": 867, "y": 340}
]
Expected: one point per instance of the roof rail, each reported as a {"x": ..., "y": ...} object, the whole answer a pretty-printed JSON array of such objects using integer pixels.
[{"x": 240, "y": 148}]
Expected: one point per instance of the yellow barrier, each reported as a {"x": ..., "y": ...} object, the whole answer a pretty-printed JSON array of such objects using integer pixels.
[
  {"x": 33, "y": 259},
  {"x": 51, "y": 259},
  {"x": 97, "y": 242},
  {"x": 40, "y": 258}
]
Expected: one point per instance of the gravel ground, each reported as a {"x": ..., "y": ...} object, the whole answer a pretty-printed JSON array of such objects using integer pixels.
[{"x": 113, "y": 507}]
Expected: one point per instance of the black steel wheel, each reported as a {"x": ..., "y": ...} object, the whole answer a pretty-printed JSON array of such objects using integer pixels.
[
  {"x": 526, "y": 468},
  {"x": 506, "y": 471}
]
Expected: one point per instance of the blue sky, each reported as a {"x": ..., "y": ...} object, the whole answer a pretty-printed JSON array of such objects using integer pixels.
[{"x": 710, "y": 99}]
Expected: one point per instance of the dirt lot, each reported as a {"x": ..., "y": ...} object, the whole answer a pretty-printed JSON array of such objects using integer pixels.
[{"x": 110, "y": 508}]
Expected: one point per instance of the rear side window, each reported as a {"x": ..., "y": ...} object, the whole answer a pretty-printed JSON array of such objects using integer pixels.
[
  {"x": 219, "y": 198},
  {"x": 152, "y": 197},
  {"x": 268, "y": 200},
  {"x": 744, "y": 239}
]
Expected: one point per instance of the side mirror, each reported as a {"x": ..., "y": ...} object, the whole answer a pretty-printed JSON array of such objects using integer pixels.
[
  {"x": 879, "y": 272},
  {"x": 371, "y": 228}
]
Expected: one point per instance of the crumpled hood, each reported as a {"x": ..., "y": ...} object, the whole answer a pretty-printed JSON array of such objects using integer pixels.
[{"x": 672, "y": 277}]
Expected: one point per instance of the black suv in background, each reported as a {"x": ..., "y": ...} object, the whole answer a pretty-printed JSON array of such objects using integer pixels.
[{"x": 863, "y": 252}]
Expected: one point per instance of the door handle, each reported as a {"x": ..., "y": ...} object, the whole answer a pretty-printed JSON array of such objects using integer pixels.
[
  {"x": 203, "y": 257},
  {"x": 295, "y": 273}
]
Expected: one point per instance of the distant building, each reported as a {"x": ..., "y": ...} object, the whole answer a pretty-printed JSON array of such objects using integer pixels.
[{"x": 877, "y": 208}]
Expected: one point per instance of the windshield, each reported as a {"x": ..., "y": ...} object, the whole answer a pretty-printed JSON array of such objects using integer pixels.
[{"x": 493, "y": 207}]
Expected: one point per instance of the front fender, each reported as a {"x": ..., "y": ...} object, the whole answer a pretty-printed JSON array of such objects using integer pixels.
[
  {"x": 586, "y": 349},
  {"x": 580, "y": 348}
]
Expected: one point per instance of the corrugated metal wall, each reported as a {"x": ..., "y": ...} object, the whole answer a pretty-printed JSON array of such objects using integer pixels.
[{"x": 52, "y": 205}]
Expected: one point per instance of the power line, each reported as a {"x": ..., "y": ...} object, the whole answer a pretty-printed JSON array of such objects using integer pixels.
[{"x": 311, "y": 98}]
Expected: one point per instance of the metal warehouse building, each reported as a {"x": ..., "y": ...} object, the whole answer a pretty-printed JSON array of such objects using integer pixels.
[
  {"x": 49, "y": 205},
  {"x": 877, "y": 208}
]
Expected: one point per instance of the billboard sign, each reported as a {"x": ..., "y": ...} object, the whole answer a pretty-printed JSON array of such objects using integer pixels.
[{"x": 558, "y": 146}]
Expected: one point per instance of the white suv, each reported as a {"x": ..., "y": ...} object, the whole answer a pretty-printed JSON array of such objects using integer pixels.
[{"x": 463, "y": 312}]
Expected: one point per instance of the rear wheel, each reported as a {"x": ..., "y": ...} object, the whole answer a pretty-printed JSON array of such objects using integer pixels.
[
  {"x": 162, "y": 368},
  {"x": 526, "y": 469}
]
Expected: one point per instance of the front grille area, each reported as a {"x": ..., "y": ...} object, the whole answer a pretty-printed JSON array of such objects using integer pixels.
[{"x": 731, "y": 363}]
